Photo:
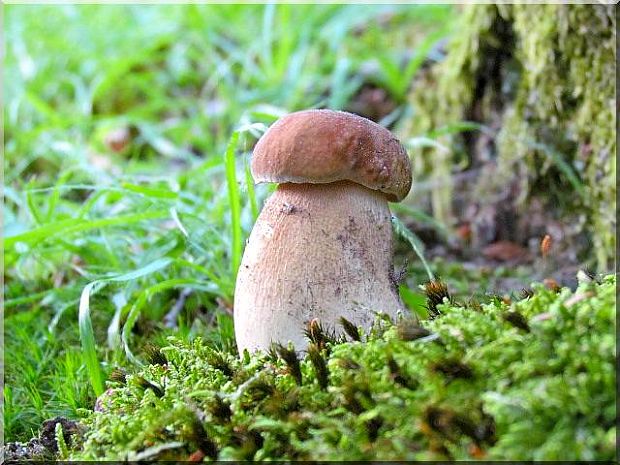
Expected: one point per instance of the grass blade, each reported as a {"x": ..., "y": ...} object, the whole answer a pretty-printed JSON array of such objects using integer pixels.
[
  {"x": 66, "y": 227},
  {"x": 114, "y": 337},
  {"x": 87, "y": 335},
  {"x": 414, "y": 300},
  {"x": 151, "y": 268},
  {"x": 235, "y": 202},
  {"x": 415, "y": 242},
  {"x": 422, "y": 217},
  {"x": 87, "y": 339},
  {"x": 34, "y": 209},
  {"x": 55, "y": 196},
  {"x": 461, "y": 126},
  {"x": 175, "y": 216},
  {"x": 150, "y": 191},
  {"x": 249, "y": 182},
  {"x": 426, "y": 142},
  {"x": 267, "y": 39},
  {"x": 562, "y": 165}
]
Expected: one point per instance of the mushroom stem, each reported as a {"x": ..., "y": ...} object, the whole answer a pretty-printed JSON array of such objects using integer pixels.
[{"x": 316, "y": 251}]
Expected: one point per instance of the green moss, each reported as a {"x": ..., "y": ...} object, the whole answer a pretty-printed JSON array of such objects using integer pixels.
[
  {"x": 542, "y": 77},
  {"x": 531, "y": 380}
]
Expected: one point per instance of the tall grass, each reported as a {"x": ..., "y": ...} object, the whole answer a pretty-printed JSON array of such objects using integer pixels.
[{"x": 235, "y": 204}]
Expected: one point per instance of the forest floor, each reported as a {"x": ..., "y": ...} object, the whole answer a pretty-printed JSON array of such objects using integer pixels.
[{"x": 127, "y": 190}]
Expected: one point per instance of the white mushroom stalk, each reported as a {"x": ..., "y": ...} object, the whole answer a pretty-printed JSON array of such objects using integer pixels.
[{"x": 320, "y": 249}]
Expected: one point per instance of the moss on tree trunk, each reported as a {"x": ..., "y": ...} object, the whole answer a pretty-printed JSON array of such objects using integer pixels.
[{"x": 542, "y": 79}]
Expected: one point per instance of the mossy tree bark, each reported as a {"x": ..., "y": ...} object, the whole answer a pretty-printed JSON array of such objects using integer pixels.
[{"x": 541, "y": 79}]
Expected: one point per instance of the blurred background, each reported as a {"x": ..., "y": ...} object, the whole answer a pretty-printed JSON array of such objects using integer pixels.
[{"x": 128, "y": 131}]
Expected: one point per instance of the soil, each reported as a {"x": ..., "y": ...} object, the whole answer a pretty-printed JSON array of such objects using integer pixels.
[{"x": 44, "y": 447}]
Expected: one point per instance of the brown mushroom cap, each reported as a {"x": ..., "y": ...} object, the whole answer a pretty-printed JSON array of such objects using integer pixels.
[{"x": 323, "y": 146}]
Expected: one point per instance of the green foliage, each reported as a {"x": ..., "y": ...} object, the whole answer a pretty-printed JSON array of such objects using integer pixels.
[
  {"x": 127, "y": 135},
  {"x": 469, "y": 384}
]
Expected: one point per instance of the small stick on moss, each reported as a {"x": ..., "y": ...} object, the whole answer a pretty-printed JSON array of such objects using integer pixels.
[
  {"x": 398, "y": 376},
  {"x": 320, "y": 366},
  {"x": 316, "y": 334},
  {"x": 441, "y": 421},
  {"x": 219, "y": 409},
  {"x": 198, "y": 435},
  {"x": 552, "y": 284},
  {"x": 351, "y": 330},
  {"x": 171, "y": 318},
  {"x": 372, "y": 427},
  {"x": 351, "y": 402},
  {"x": 272, "y": 353},
  {"x": 118, "y": 375},
  {"x": 408, "y": 329},
  {"x": 517, "y": 320},
  {"x": 436, "y": 291},
  {"x": 348, "y": 364},
  {"x": 154, "y": 355},
  {"x": 526, "y": 293},
  {"x": 474, "y": 304},
  {"x": 146, "y": 384},
  {"x": 282, "y": 403},
  {"x": 246, "y": 442},
  {"x": 452, "y": 369},
  {"x": 218, "y": 361},
  {"x": 260, "y": 389},
  {"x": 587, "y": 276},
  {"x": 292, "y": 362},
  {"x": 357, "y": 396}
]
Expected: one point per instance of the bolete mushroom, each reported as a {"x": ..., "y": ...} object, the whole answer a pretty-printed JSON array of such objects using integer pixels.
[{"x": 322, "y": 245}]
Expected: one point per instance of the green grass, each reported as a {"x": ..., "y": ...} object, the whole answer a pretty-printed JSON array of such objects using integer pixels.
[{"x": 101, "y": 242}]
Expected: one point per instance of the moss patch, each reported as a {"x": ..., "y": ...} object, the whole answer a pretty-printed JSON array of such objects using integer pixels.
[{"x": 528, "y": 380}]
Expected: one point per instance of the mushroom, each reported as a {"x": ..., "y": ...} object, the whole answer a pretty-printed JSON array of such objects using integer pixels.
[{"x": 321, "y": 247}]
